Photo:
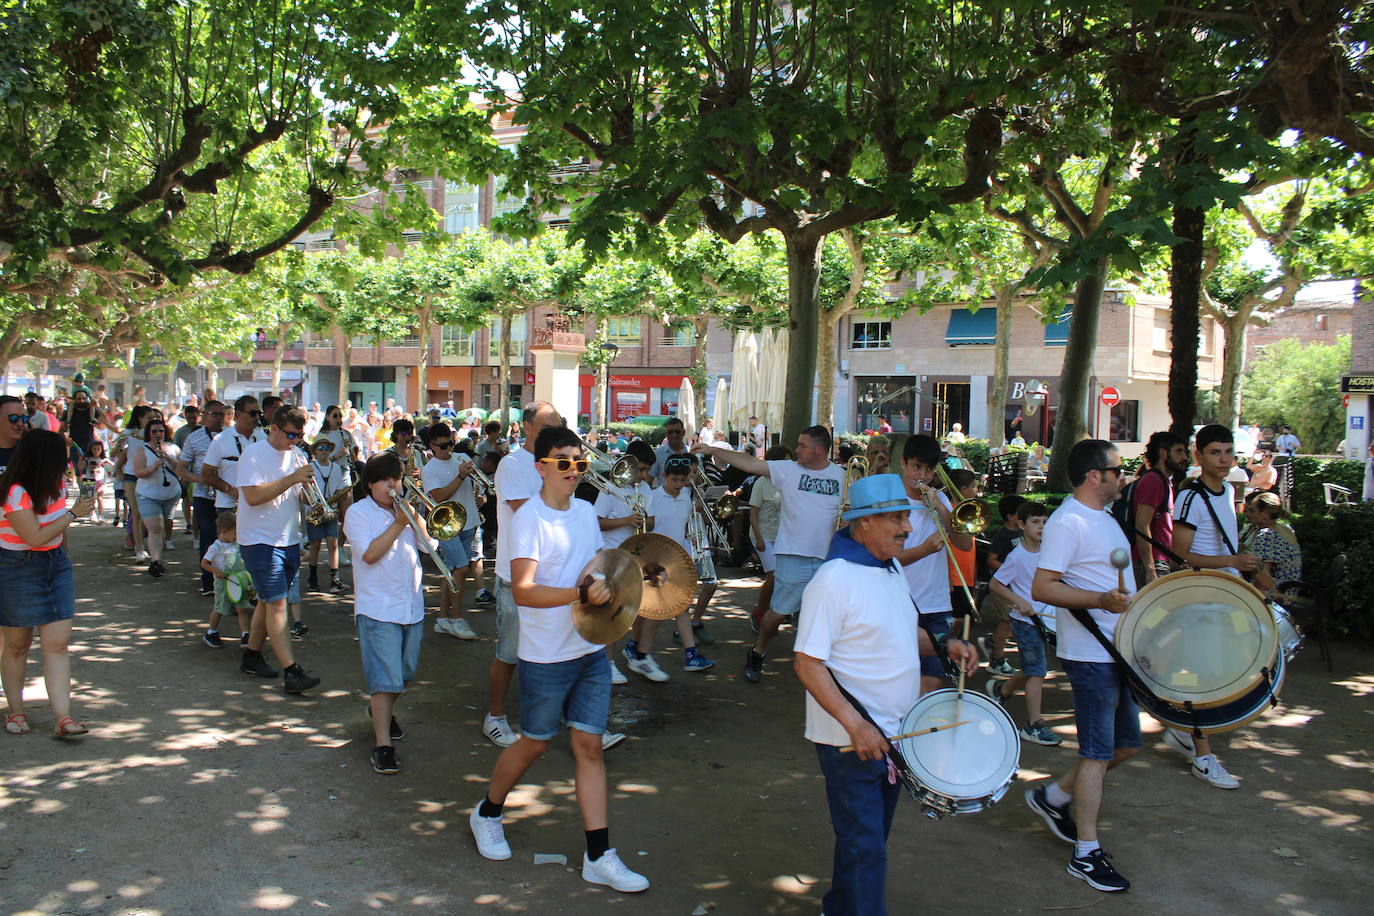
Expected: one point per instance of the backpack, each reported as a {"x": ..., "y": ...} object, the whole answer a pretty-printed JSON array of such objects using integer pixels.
[{"x": 1123, "y": 509}]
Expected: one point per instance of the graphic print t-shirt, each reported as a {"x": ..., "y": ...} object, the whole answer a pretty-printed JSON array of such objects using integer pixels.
[{"x": 810, "y": 505}]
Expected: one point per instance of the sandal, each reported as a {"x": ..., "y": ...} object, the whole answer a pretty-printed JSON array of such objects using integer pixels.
[
  {"x": 16, "y": 723},
  {"x": 67, "y": 727}
]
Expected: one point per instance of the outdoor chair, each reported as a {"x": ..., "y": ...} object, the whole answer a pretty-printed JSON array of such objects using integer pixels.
[
  {"x": 1336, "y": 495},
  {"x": 1316, "y": 599}
]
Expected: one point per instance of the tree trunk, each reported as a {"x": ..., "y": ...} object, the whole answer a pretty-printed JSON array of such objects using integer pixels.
[
  {"x": 426, "y": 352},
  {"x": 1185, "y": 282},
  {"x": 803, "y": 302},
  {"x": 1069, "y": 424},
  {"x": 825, "y": 370},
  {"x": 1001, "y": 372},
  {"x": 171, "y": 380},
  {"x": 345, "y": 369},
  {"x": 702, "y": 326},
  {"x": 282, "y": 330},
  {"x": 603, "y": 380},
  {"x": 503, "y": 402},
  {"x": 1236, "y": 328}
]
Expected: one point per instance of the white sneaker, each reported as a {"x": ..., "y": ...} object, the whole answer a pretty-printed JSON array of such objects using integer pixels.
[
  {"x": 498, "y": 732},
  {"x": 490, "y": 836},
  {"x": 649, "y": 668},
  {"x": 611, "y": 739},
  {"x": 617, "y": 676},
  {"x": 609, "y": 870},
  {"x": 169, "y": 545},
  {"x": 1178, "y": 741},
  {"x": 459, "y": 627},
  {"x": 1210, "y": 771},
  {"x": 441, "y": 626},
  {"x": 141, "y": 556}
]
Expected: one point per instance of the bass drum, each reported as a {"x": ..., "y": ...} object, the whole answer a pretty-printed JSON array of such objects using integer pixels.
[
  {"x": 964, "y": 769},
  {"x": 1216, "y": 719},
  {"x": 1200, "y": 638}
]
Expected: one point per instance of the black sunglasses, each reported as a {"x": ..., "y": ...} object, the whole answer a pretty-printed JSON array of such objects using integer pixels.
[
  {"x": 1117, "y": 470},
  {"x": 253, "y": 413},
  {"x": 18, "y": 418},
  {"x": 443, "y": 445}
]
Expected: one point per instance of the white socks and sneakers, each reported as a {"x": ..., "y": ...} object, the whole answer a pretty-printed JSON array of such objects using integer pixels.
[
  {"x": 607, "y": 870},
  {"x": 1206, "y": 767}
]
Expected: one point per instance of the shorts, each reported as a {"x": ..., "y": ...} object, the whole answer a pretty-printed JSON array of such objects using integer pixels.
[
  {"x": 273, "y": 568},
  {"x": 793, "y": 573},
  {"x": 507, "y": 624},
  {"x": 937, "y": 624},
  {"x": 39, "y": 587},
  {"x": 315, "y": 533},
  {"x": 223, "y": 606},
  {"x": 148, "y": 507},
  {"x": 706, "y": 575},
  {"x": 457, "y": 551},
  {"x": 1032, "y": 647},
  {"x": 576, "y": 693},
  {"x": 959, "y": 601},
  {"x": 391, "y": 653},
  {"x": 994, "y": 608},
  {"x": 1103, "y": 709},
  {"x": 767, "y": 559}
]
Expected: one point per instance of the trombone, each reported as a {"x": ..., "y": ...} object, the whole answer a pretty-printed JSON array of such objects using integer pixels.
[
  {"x": 422, "y": 537},
  {"x": 481, "y": 481},
  {"x": 615, "y": 481},
  {"x": 445, "y": 520},
  {"x": 970, "y": 516},
  {"x": 855, "y": 469}
]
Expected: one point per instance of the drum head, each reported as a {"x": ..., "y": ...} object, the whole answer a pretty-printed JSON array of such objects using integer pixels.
[
  {"x": 1224, "y": 718},
  {"x": 1198, "y": 637},
  {"x": 237, "y": 585},
  {"x": 970, "y": 761}
]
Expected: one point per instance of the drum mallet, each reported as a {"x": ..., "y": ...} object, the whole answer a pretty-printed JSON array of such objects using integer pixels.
[{"x": 1121, "y": 559}]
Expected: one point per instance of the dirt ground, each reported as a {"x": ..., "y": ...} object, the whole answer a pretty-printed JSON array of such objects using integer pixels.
[{"x": 203, "y": 791}]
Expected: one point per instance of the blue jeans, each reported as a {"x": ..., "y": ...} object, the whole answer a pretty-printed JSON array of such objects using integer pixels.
[
  {"x": 576, "y": 692},
  {"x": 203, "y": 511},
  {"x": 936, "y": 624},
  {"x": 1032, "y": 646},
  {"x": 391, "y": 653},
  {"x": 1104, "y": 710},
  {"x": 862, "y": 803}
]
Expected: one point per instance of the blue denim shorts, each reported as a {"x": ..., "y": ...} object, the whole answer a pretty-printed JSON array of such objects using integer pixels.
[
  {"x": 790, "y": 578},
  {"x": 457, "y": 552},
  {"x": 315, "y": 533},
  {"x": 391, "y": 653},
  {"x": 576, "y": 693},
  {"x": 1032, "y": 646},
  {"x": 1103, "y": 709},
  {"x": 148, "y": 507},
  {"x": 38, "y": 587},
  {"x": 936, "y": 624},
  {"x": 507, "y": 624},
  {"x": 272, "y": 568}
]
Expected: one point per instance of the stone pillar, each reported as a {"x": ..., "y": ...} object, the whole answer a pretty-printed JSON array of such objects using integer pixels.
[{"x": 557, "y": 359}]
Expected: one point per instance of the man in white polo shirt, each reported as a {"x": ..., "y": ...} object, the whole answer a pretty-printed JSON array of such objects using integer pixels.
[
  {"x": 269, "y": 535},
  {"x": 809, "y": 491}
]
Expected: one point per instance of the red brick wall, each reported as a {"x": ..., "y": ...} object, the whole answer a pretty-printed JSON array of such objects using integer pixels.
[
  {"x": 1301, "y": 323},
  {"x": 1362, "y": 337}
]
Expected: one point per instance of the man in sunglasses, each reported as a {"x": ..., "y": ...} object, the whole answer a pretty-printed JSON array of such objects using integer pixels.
[
  {"x": 191, "y": 469},
  {"x": 219, "y": 469},
  {"x": 270, "y": 475},
  {"x": 13, "y": 422}
]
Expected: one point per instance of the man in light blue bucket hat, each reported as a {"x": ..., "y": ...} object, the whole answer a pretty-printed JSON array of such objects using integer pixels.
[{"x": 859, "y": 629}]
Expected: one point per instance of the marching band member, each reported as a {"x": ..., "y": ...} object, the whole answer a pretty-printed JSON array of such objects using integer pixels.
[
  {"x": 388, "y": 600},
  {"x": 406, "y": 446},
  {"x": 269, "y": 477},
  {"x": 1075, "y": 571},
  {"x": 809, "y": 489},
  {"x": 618, "y": 521},
  {"x": 564, "y": 679},
  {"x": 219, "y": 470},
  {"x": 858, "y": 630},
  {"x": 448, "y": 477},
  {"x": 333, "y": 480},
  {"x": 1207, "y": 536}
]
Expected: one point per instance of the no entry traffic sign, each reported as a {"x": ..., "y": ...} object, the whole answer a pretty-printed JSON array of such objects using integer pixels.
[{"x": 1110, "y": 396}]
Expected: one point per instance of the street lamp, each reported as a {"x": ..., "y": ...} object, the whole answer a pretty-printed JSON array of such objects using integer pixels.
[{"x": 613, "y": 350}]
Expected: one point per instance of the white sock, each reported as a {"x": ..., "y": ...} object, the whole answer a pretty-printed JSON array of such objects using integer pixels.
[
  {"x": 1057, "y": 796},
  {"x": 1082, "y": 848}
]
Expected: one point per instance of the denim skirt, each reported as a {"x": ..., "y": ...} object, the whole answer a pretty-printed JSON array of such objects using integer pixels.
[{"x": 38, "y": 587}]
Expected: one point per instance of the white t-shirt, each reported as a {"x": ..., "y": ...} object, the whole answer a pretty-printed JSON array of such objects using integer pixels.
[
  {"x": 764, "y": 500},
  {"x": 671, "y": 514},
  {"x": 39, "y": 420},
  {"x": 927, "y": 580},
  {"x": 662, "y": 454},
  {"x": 707, "y": 435},
  {"x": 1190, "y": 508},
  {"x": 1078, "y": 544},
  {"x": 759, "y": 432},
  {"x": 437, "y": 473},
  {"x": 224, "y": 454},
  {"x": 1016, "y": 573},
  {"x": 163, "y": 484},
  {"x": 388, "y": 590},
  {"x": 222, "y": 554},
  {"x": 562, "y": 542},
  {"x": 859, "y": 620},
  {"x": 810, "y": 506},
  {"x": 330, "y": 477},
  {"x": 608, "y": 506},
  {"x": 517, "y": 477},
  {"x": 277, "y": 521}
]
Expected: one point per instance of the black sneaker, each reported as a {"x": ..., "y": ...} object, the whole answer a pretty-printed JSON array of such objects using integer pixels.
[
  {"x": 396, "y": 733},
  {"x": 298, "y": 630},
  {"x": 299, "y": 681},
  {"x": 1096, "y": 869},
  {"x": 207, "y": 590},
  {"x": 313, "y": 582},
  {"x": 336, "y": 585},
  {"x": 243, "y": 641},
  {"x": 253, "y": 663},
  {"x": 1059, "y": 820},
  {"x": 212, "y": 640},
  {"x": 384, "y": 760},
  {"x": 753, "y": 667},
  {"x": 485, "y": 597},
  {"x": 156, "y": 569}
]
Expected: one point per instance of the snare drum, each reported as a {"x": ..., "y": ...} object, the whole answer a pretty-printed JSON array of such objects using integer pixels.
[
  {"x": 1291, "y": 637},
  {"x": 1200, "y": 638},
  {"x": 964, "y": 769}
]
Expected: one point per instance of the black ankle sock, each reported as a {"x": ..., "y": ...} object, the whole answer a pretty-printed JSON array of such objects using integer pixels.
[
  {"x": 294, "y": 668},
  {"x": 489, "y": 808},
  {"x": 598, "y": 841}
]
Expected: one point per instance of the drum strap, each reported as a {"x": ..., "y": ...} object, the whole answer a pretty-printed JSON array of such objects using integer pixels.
[
  {"x": 896, "y": 762},
  {"x": 1201, "y": 489}
]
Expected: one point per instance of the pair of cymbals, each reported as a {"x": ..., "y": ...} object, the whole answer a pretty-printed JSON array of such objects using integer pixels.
[{"x": 650, "y": 575}]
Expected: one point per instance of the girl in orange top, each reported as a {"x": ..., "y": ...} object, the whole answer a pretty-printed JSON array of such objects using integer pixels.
[{"x": 967, "y": 484}]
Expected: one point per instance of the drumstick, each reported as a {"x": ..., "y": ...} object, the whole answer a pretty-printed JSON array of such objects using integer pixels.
[
  {"x": 1120, "y": 559},
  {"x": 925, "y": 731}
]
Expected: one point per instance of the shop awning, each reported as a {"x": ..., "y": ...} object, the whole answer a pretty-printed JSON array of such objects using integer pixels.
[
  {"x": 1057, "y": 331},
  {"x": 967, "y": 329}
]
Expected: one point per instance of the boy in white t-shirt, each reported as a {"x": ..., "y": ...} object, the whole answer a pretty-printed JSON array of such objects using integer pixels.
[
  {"x": 1012, "y": 583},
  {"x": 222, "y": 558},
  {"x": 448, "y": 477},
  {"x": 564, "y": 679},
  {"x": 618, "y": 520}
]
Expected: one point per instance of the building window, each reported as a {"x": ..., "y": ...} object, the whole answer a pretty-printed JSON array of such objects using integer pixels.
[
  {"x": 315, "y": 341},
  {"x": 870, "y": 335},
  {"x": 457, "y": 341},
  {"x": 460, "y": 207},
  {"x": 1321, "y": 323},
  {"x": 680, "y": 335},
  {"x": 892, "y": 398},
  {"x": 1125, "y": 422},
  {"x": 507, "y": 201},
  {"x": 363, "y": 340},
  {"x": 410, "y": 340},
  {"x": 518, "y": 334},
  {"x": 1159, "y": 336},
  {"x": 624, "y": 330}
]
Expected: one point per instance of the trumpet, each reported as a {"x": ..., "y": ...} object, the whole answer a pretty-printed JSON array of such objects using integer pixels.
[
  {"x": 854, "y": 470},
  {"x": 481, "y": 480},
  {"x": 319, "y": 512},
  {"x": 422, "y": 537}
]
